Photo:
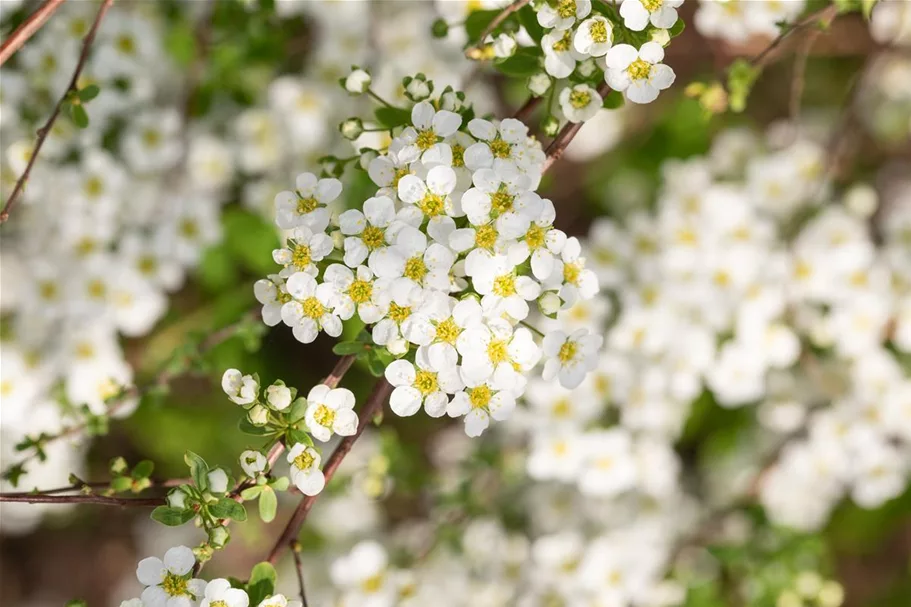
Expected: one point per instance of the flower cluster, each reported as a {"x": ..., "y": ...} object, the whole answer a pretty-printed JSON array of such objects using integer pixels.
[{"x": 443, "y": 264}]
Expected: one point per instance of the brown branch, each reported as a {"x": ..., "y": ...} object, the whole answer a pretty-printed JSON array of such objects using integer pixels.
[
  {"x": 798, "y": 80},
  {"x": 825, "y": 15},
  {"x": 494, "y": 24},
  {"x": 123, "y": 502},
  {"x": 338, "y": 372},
  {"x": 527, "y": 109},
  {"x": 299, "y": 566},
  {"x": 374, "y": 405},
  {"x": 28, "y": 28},
  {"x": 44, "y": 131},
  {"x": 166, "y": 483}
]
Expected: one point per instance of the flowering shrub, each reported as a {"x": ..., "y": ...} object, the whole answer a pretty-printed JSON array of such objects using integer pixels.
[{"x": 681, "y": 408}]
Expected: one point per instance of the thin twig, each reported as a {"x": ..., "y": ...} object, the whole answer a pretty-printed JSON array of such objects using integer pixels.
[
  {"x": 44, "y": 131},
  {"x": 166, "y": 483},
  {"x": 299, "y": 566},
  {"x": 798, "y": 80},
  {"x": 338, "y": 372},
  {"x": 527, "y": 109},
  {"x": 28, "y": 28},
  {"x": 825, "y": 15},
  {"x": 494, "y": 24},
  {"x": 374, "y": 405},
  {"x": 123, "y": 502}
]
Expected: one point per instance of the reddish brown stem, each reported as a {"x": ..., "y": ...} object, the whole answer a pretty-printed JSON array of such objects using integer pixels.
[
  {"x": 374, "y": 405},
  {"x": 556, "y": 148},
  {"x": 28, "y": 28},
  {"x": 123, "y": 502},
  {"x": 338, "y": 372},
  {"x": 44, "y": 131},
  {"x": 495, "y": 23}
]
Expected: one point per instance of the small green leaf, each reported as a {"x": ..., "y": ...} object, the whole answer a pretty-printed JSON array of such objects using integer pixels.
[
  {"x": 89, "y": 92},
  {"x": 391, "y": 117},
  {"x": 296, "y": 435},
  {"x": 228, "y": 508},
  {"x": 525, "y": 62},
  {"x": 121, "y": 483},
  {"x": 477, "y": 22},
  {"x": 376, "y": 366},
  {"x": 268, "y": 504},
  {"x": 246, "y": 427},
  {"x": 280, "y": 484},
  {"x": 262, "y": 582},
  {"x": 677, "y": 29},
  {"x": 251, "y": 493},
  {"x": 198, "y": 469},
  {"x": 79, "y": 116},
  {"x": 172, "y": 517},
  {"x": 143, "y": 469},
  {"x": 297, "y": 410},
  {"x": 76, "y": 603},
  {"x": 529, "y": 19},
  {"x": 348, "y": 347},
  {"x": 613, "y": 100}
]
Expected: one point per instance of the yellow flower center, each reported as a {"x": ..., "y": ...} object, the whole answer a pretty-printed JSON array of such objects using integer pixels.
[
  {"x": 189, "y": 229},
  {"x": 48, "y": 290},
  {"x": 504, "y": 285},
  {"x": 479, "y": 397},
  {"x": 639, "y": 69},
  {"x": 534, "y": 237},
  {"x": 147, "y": 264},
  {"x": 217, "y": 604},
  {"x": 300, "y": 257},
  {"x": 304, "y": 461},
  {"x": 485, "y": 237},
  {"x": 579, "y": 99},
  {"x": 432, "y": 205},
  {"x": 448, "y": 331},
  {"x": 568, "y": 351},
  {"x": 360, "y": 291},
  {"x": 497, "y": 351},
  {"x": 313, "y": 308},
  {"x": 151, "y": 138},
  {"x": 97, "y": 289},
  {"x": 571, "y": 272},
  {"x": 652, "y": 5},
  {"x": 426, "y": 139},
  {"x": 306, "y": 205},
  {"x": 562, "y": 408},
  {"x": 398, "y": 313},
  {"x": 426, "y": 382},
  {"x": 174, "y": 585},
  {"x": 458, "y": 155},
  {"x": 373, "y": 237},
  {"x": 415, "y": 268},
  {"x": 324, "y": 416},
  {"x": 566, "y": 8},
  {"x": 399, "y": 173},
  {"x": 94, "y": 187},
  {"x": 373, "y": 583},
  {"x": 598, "y": 31},
  {"x": 499, "y": 148},
  {"x": 562, "y": 45},
  {"x": 283, "y": 297},
  {"x": 501, "y": 201},
  {"x": 126, "y": 45}
]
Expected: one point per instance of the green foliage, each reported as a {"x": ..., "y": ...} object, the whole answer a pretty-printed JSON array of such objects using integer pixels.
[
  {"x": 525, "y": 62},
  {"x": 172, "y": 517},
  {"x": 614, "y": 100},
  {"x": 477, "y": 22},
  {"x": 228, "y": 508},
  {"x": 741, "y": 76},
  {"x": 391, "y": 117},
  {"x": 262, "y": 582}
]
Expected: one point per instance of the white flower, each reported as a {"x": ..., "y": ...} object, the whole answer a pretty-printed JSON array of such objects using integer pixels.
[
  {"x": 278, "y": 397},
  {"x": 610, "y": 466},
  {"x": 433, "y": 198},
  {"x": 305, "y": 472},
  {"x": 272, "y": 294},
  {"x": 217, "y": 480},
  {"x": 488, "y": 348},
  {"x": 637, "y": 14},
  {"x": 577, "y": 281},
  {"x": 278, "y": 600},
  {"x": 502, "y": 195},
  {"x": 503, "y": 290},
  {"x": 366, "y": 231},
  {"x": 220, "y": 594},
  {"x": 541, "y": 242},
  {"x": 169, "y": 582},
  {"x": 539, "y": 84},
  {"x": 427, "y": 382},
  {"x": 430, "y": 126},
  {"x": 241, "y": 389},
  {"x": 640, "y": 74},
  {"x": 570, "y": 357},
  {"x": 413, "y": 262},
  {"x": 132, "y": 603},
  {"x": 490, "y": 398},
  {"x": 594, "y": 36},
  {"x": 252, "y": 462},
  {"x": 330, "y": 410},
  {"x": 357, "y": 291},
  {"x": 497, "y": 144},
  {"x": 311, "y": 308},
  {"x": 307, "y": 206},
  {"x": 580, "y": 102},
  {"x": 562, "y": 14},
  {"x": 303, "y": 250},
  {"x": 559, "y": 55},
  {"x": 504, "y": 46},
  {"x": 386, "y": 171},
  {"x": 358, "y": 81},
  {"x": 363, "y": 572}
]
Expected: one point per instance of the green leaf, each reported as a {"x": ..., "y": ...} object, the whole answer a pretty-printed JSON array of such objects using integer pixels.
[
  {"x": 79, "y": 116},
  {"x": 614, "y": 100},
  {"x": 296, "y": 435},
  {"x": 375, "y": 365},
  {"x": 529, "y": 20},
  {"x": 525, "y": 62},
  {"x": 297, "y": 410},
  {"x": 76, "y": 603},
  {"x": 391, "y": 117},
  {"x": 143, "y": 469},
  {"x": 477, "y": 22},
  {"x": 228, "y": 508},
  {"x": 268, "y": 504},
  {"x": 172, "y": 517},
  {"x": 280, "y": 484},
  {"x": 246, "y": 427},
  {"x": 251, "y": 493},
  {"x": 677, "y": 28},
  {"x": 198, "y": 469},
  {"x": 348, "y": 347},
  {"x": 121, "y": 484},
  {"x": 866, "y": 7},
  {"x": 89, "y": 92},
  {"x": 262, "y": 582}
]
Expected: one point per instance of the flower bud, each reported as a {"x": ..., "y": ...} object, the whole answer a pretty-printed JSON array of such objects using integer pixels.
[
  {"x": 367, "y": 156},
  {"x": 417, "y": 88},
  {"x": 352, "y": 128},
  {"x": 358, "y": 81},
  {"x": 549, "y": 303},
  {"x": 218, "y": 481},
  {"x": 258, "y": 415},
  {"x": 219, "y": 536},
  {"x": 252, "y": 462},
  {"x": 539, "y": 84},
  {"x": 439, "y": 29},
  {"x": 504, "y": 46},
  {"x": 177, "y": 499},
  {"x": 587, "y": 68},
  {"x": 662, "y": 37},
  {"x": 550, "y": 126},
  {"x": 278, "y": 396}
]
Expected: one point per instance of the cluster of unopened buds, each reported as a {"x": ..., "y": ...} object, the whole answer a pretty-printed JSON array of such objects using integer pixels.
[{"x": 442, "y": 264}]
